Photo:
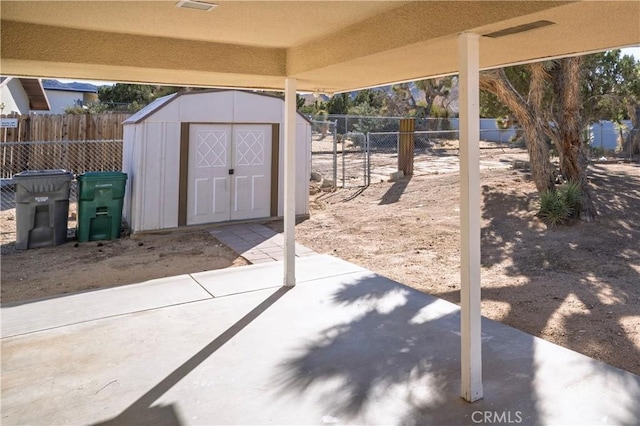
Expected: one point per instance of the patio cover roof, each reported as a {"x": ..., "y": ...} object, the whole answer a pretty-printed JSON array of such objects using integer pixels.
[{"x": 328, "y": 46}]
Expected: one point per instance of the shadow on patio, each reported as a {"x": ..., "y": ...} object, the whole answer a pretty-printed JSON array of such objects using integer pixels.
[
  {"x": 142, "y": 410},
  {"x": 344, "y": 346},
  {"x": 398, "y": 362}
]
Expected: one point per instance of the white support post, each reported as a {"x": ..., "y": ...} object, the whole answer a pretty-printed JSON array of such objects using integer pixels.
[
  {"x": 471, "y": 343},
  {"x": 289, "y": 182}
]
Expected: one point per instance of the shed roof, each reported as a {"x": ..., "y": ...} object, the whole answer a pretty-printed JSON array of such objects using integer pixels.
[{"x": 159, "y": 103}]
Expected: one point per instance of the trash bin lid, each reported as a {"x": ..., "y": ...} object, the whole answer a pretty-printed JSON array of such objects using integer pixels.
[
  {"x": 30, "y": 174},
  {"x": 102, "y": 175}
]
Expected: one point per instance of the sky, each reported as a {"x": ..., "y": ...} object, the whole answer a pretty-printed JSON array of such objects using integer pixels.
[{"x": 633, "y": 51}]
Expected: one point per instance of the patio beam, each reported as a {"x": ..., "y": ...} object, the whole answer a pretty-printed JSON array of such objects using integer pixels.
[
  {"x": 289, "y": 182},
  {"x": 471, "y": 343}
]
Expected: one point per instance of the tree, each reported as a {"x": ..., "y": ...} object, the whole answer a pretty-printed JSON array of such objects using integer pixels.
[
  {"x": 373, "y": 98},
  {"x": 527, "y": 109},
  {"x": 566, "y": 131},
  {"x": 299, "y": 101},
  {"x": 133, "y": 96},
  {"x": 90, "y": 108},
  {"x": 400, "y": 102},
  {"x": 433, "y": 89},
  {"x": 338, "y": 104},
  {"x": 610, "y": 86},
  {"x": 554, "y": 101},
  {"x": 364, "y": 125},
  {"x": 611, "y": 89}
]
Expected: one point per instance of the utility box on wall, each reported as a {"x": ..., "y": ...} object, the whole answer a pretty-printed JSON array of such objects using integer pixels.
[{"x": 210, "y": 156}]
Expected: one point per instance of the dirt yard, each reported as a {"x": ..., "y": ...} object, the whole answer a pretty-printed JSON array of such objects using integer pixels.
[
  {"x": 577, "y": 286},
  {"x": 73, "y": 267}
]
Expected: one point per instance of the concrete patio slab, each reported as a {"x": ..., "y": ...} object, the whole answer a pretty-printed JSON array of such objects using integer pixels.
[
  {"x": 80, "y": 307},
  {"x": 348, "y": 348},
  {"x": 256, "y": 243},
  {"x": 264, "y": 275}
]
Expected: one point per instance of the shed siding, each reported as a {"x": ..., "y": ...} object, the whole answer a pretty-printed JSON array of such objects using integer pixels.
[
  {"x": 151, "y": 178},
  {"x": 248, "y": 108},
  {"x": 137, "y": 189},
  {"x": 206, "y": 108},
  {"x": 152, "y": 152},
  {"x": 128, "y": 145},
  {"x": 159, "y": 183},
  {"x": 171, "y": 174},
  {"x": 166, "y": 113}
]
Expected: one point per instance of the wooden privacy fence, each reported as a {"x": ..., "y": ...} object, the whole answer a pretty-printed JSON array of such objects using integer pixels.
[{"x": 82, "y": 142}]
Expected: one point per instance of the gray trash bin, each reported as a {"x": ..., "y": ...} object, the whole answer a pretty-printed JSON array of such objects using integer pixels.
[{"x": 42, "y": 207}]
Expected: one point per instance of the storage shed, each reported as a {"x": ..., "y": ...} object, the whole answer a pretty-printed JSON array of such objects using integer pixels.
[{"x": 210, "y": 156}]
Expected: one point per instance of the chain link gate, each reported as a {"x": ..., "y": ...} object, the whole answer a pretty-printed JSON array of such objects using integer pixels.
[
  {"x": 324, "y": 162},
  {"x": 338, "y": 160},
  {"x": 355, "y": 160}
]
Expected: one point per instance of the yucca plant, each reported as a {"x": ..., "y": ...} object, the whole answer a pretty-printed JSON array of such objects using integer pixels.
[
  {"x": 557, "y": 207},
  {"x": 553, "y": 208},
  {"x": 571, "y": 193}
]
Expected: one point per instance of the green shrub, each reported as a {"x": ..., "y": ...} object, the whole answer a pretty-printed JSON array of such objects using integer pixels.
[
  {"x": 571, "y": 193},
  {"x": 553, "y": 209},
  {"x": 557, "y": 207}
]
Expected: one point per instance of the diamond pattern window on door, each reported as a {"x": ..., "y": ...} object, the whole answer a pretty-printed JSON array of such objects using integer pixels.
[
  {"x": 250, "y": 147},
  {"x": 211, "y": 149}
]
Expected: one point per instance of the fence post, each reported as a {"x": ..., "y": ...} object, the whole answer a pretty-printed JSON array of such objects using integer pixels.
[
  {"x": 344, "y": 142},
  {"x": 335, "y": 154},
  {"x": 406, "y": 146},
  {"x": 366, "y": 160},
  {"x": 601, "y": 138}
]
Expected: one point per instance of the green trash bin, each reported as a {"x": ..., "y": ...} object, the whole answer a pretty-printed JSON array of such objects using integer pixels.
[
  {"x": 42, "y": 207},
  {"x": 100, "y": 197}
]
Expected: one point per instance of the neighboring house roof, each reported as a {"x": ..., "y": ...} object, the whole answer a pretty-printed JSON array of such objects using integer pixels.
[
  {"x": 69, "y": 87},
  {"x": 37, "y": 97},
  {"x": 35, "y": 92},
  {"x": 161, "y": 102}
]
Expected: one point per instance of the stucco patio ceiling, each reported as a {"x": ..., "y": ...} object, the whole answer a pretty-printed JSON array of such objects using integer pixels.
[{"x": 330, "y": 46}]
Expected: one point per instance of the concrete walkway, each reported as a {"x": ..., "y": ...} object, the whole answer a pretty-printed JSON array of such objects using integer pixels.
[
  {"x": 256, "y": 243},
  {"x": 345, "y": 346}
]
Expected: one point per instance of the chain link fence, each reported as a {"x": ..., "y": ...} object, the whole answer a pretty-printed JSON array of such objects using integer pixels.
[
  {"x": 354, "y": 160},
  {"x": 383, "y": 149},
  {"x": 75, "y": 156},
  {"x": 346, "y": 152},
  {"x": 337, "y": 160},
  {"x": 324, "y": 154}
]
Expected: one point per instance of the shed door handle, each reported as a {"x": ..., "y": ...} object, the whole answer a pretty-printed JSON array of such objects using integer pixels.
[{"x": 230, "y": 171}]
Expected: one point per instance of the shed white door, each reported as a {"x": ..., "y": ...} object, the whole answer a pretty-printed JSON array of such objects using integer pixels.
[{"x": 229, "y": 172}]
